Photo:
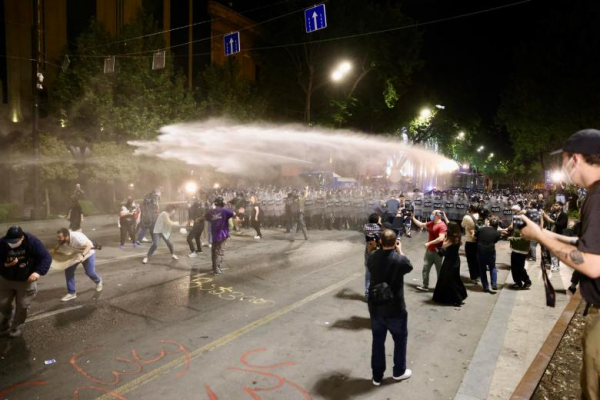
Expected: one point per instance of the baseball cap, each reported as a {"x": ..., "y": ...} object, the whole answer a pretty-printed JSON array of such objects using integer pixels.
[
  {"x": 586, "y": 142},
  {"x": 14, "y": 234},
  {"x": 219, "y": 201}
]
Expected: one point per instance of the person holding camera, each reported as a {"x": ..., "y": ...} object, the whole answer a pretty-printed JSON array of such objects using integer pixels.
[
  {"x": 387, "y": 308},
  {"x": 437, "y": 233},
  {"x": 581, "y": 167},
  {"x": 519, "y": 250}
]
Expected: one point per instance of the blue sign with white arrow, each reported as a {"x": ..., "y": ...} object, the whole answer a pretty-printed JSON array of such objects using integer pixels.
[
  {"x": 232, "y": 43},
  {"x": 315, "y": 18}
]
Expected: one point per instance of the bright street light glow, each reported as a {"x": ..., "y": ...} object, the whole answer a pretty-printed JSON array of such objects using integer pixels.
[
  {"x": 425, "y": 113},
  {"x": 461, "y": 135},
  {"x": 216, "y": 186},
  {"x": 557, "y": 176},
  {"x": 191, "y": 187},
  {"x": 345, "y": 67},
  {"x": 337, "y": 76},
  {"x": 491, "y": 154},
  {"x": 465, "y": 166},
  {"x": 441, "y": 107}
]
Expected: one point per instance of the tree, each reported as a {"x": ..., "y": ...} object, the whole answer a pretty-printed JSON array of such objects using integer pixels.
[
  {"x": 224, "y": 91},
  {"x": 132, "y": 102}
]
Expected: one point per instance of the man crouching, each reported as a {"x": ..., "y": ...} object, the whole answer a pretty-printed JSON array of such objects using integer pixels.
[{"x": 387, "y": 308}]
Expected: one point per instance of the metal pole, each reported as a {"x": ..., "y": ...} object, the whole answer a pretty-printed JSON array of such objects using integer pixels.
[
  {"x": 35, "y": 114},
  {"x": 190, "y": 45}
]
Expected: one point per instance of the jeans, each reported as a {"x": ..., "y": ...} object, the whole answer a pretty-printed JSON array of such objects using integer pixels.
[
  {"x": 143, "y": 230},
  {"x": 487, "y": 259},
  {"x": 398, "y": 327},
  {"x": 533, "y": 249},
  {"x": 295, "y": 224},
  {"x": 89, "y": 266},
  {"x": 127, "y": 229},
  {"x": 431, "y": 258},
  {"x": 517, "y": 268},
  {"x": 194, "y": 235},
  {"x": 155, "y": 240},
  {"x": 23, "y": 294},
  {"x": 471, "y": 253}
]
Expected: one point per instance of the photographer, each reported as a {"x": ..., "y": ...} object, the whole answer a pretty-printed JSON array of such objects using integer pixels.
[
  {"x": 387, "y": 307},
  {"x": 581, "y": 166}
]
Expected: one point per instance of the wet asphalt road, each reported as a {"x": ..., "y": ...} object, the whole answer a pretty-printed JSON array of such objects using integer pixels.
[{"x": 285, "y": 321}]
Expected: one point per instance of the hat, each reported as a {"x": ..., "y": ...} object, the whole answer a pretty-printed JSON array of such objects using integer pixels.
[
  {"x": 14, "y": 234},
  {"x": 219, "y": 202},
  {"x": 584, "y": 142}
]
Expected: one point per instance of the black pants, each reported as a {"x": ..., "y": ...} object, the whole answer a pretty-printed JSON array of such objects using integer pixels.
[
  {"x": 194, "y": 234},
  {"x": 127, "y": 228},
  {"x": 517, "y": 268},
  {"x": 256, "y": 226},
  {"x": 471, "y": 253}
]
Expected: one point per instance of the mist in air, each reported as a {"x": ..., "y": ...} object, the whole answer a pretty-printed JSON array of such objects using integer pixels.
[{"x": 254, "y": 149}]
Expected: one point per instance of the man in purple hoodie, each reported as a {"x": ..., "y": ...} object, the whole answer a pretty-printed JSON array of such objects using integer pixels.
[
  {"x": 23, "y": 259},
  {"x": 219, "y": 224}
]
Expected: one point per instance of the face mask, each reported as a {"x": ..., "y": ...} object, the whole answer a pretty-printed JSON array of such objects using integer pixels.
[
  {"x": 431, "y": 217},
  {"x": 565, "y": 171}
]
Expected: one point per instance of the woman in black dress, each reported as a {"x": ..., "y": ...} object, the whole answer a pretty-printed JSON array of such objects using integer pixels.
[{"x": 450, "y": 288}]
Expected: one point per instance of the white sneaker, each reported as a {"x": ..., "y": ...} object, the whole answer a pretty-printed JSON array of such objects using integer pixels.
[
  {"x": 99, "y": 286},
  {"x": 145, "y": 240},
  {"x": 375, "y": 383},
  {"x": 256, "y": 237},
  {"x": 69, "y": 296},
  {"x": 210, "y": 245},
  {"x": 407, "y": 374},
  {"x": 145, "y": 260},
  {"x": 192, "y": 255},
  {"x": 175, "y": 257},
  {"x": 423, "y": 288}
]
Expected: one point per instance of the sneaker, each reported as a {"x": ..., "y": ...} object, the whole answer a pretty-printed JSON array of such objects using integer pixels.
[
  {"x": 376, "y": 383},
  {"x": 256, "y": 237},
  {"x": 527, "y": 285},
  {"x": 475, "y": 281},
  {"x": 423, "y": 288},
  {"x": 192, "y": 255},
  {"x": 121, "y": 247},
  {"x": 135, "y": 244},
  {"x": 144, "y": 240},
  {"x": 99, "y": 286},
  {"x": 554, "y": 269},
  {"x": 490, "y": 291},
  {"x": 407, "y": 374},
  {"x": 217, "y": 271},
  {"x": 572, "y": 289},
  {"x": 517, "y": 286},
  {"x": 199, "y": 251},
  {"x": 69, "y": 296},
  {"x": 174, "y": 257},
  {"x": 145, "y": 260},
  {"x": 209, "y": 245},
  {"x": 494, "y": 287},
  {"x": 15, "y": 333}
]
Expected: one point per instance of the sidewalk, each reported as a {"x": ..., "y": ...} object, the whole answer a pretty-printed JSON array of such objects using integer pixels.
[{"x": 516, "y": 331}]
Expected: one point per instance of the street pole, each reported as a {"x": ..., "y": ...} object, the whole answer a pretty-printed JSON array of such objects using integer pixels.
[
  {"x": 190, "y": 44},
  {"x": 35, "y": 112}
]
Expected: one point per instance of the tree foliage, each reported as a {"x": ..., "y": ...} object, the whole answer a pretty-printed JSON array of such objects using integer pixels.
[{"x": 134, "y": 101}]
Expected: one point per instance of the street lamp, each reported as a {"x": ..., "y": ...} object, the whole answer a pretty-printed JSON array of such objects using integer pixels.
[
  {"x": 426, "y": 113},
  {"x": 491, "y": 155},
  {"x": 439, "y": 106},
  {"x": 191, "y": 187},
  {"x": 461, "y": 135},
  {"x": 341, "y": 71}
]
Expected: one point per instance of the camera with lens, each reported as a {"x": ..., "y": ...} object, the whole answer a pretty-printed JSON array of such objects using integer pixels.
[{"x": 531, "y": 213}]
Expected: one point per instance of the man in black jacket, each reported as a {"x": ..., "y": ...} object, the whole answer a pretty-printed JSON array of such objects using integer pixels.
[
  {"x": 559, "y": 220},
  {"x": 23, "y": 259},
  {"x": 387, "y": 267}
]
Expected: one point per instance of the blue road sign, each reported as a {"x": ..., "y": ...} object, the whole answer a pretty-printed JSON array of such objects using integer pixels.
[
  {"x": 232, "y": 43},
  {"x": 315, "y": 18}
]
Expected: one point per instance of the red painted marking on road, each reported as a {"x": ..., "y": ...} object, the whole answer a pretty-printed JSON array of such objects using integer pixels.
[
  {"x": 99, "y": 389},
  {"x": 116, "y": 374},
  {"x": 188, "y": 357},
  {"x": 260, "y": 350},
  {"x": 19, "y": 386},
  {"x": 211, "y": 394},
  {"x": 280, "y": 380}
]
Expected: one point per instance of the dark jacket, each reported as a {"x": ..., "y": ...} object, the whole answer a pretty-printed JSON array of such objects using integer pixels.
[
  {"x": 390, "y": 267},
  {"x": 32, "y": 255}
]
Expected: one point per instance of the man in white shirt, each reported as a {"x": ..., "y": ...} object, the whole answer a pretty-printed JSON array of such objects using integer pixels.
[
  {"x": 84, "y": 246},
  {"x": 469, "y": 222}
]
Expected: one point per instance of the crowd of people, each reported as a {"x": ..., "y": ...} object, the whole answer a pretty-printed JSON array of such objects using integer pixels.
[{"x": 384, "y": 216}]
